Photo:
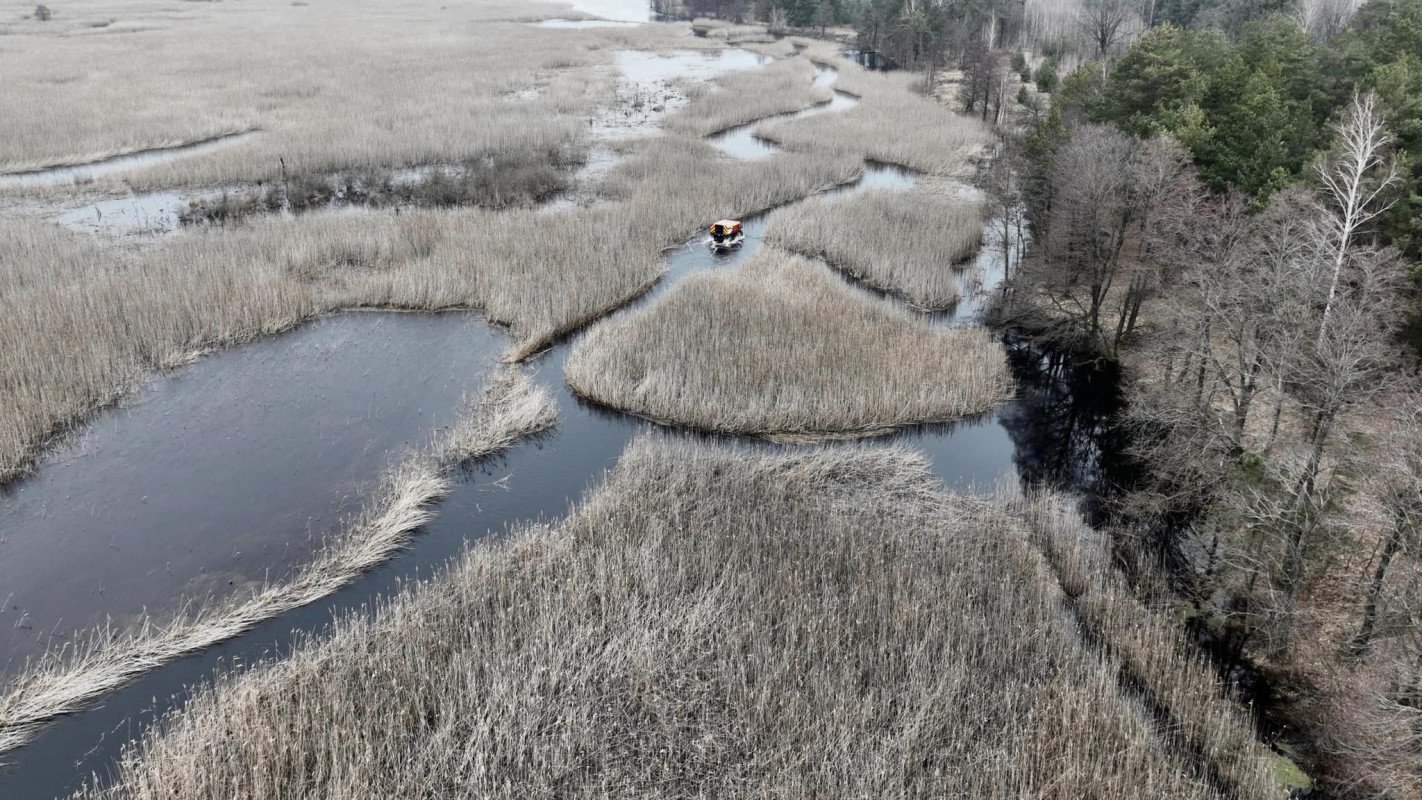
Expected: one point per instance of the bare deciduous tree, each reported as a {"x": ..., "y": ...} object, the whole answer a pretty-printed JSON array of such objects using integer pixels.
[
  {"x": 1401, "y": 476},
  {"x": 1323, "y": 19},
  {"x": 1106, "y": 185},
  {"x": 1105, "y": 23},
  {"x": 1354, "y": 182},
  {"x": 982, "y": 68}
]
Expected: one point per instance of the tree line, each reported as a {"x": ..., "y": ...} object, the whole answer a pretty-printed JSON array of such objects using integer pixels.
[{"x": 1232, "y": 212}]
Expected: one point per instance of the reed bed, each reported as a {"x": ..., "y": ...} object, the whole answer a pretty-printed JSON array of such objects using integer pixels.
[
  {"x": 81, "y": 324},
  {"x": 1152, "y": 648},
  {"x": 330, "y": 84},
  {"x": 511, "y": 407},
  {"x": 905, "y": 243},
  {"x": 547, "y": 275},
  {"x": 781, "y": 347},
  {"x": 892, "y": 124},
  {"x": 524, "y": 180},
  {"x": 712, "y": 622},
  {"x": 780, "y": 88}
]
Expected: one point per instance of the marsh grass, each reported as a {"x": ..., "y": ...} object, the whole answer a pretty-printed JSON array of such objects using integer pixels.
[
  {"x": 892, "y": 123},
  {"x": 780, "y": 346},
  {"x": 1152, "y": 648},
  {"x": 332, "y": 86},
  {"x": 522, "y": 180},
  {"x": 511, "y": 407},
  {"x": 780, "y": 88},
  {"x": 905, "y": 243},
  {"x": 712, "y": 622},
  {"x": 81, "y": 324}
]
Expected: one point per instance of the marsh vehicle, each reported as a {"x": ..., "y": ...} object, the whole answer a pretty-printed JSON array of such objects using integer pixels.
[{"x": 726, "y": 234}]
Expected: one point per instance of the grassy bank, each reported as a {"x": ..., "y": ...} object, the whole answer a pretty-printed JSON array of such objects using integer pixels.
[
  {"x": 1153, "y": 649},
  {"x": 903, "y": 243},
  {"x": 782, "y": 347},
  {"x": 80, "y": 325},
  {"x": 710, "y": 623},
  {"x": 512, "y": 407}
]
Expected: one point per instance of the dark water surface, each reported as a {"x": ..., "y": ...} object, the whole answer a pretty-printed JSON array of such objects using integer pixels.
[
  {"x": 356, "y": 389},
  {"x": 227, "y": 472}
]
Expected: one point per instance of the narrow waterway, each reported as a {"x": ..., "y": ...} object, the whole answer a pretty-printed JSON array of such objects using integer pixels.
[
  {"x": 1053, "y": 432},
  {"x": 78, "y": 173}
]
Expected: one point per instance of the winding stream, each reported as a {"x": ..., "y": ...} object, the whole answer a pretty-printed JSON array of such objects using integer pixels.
[{"x": 1053, "y": 432}]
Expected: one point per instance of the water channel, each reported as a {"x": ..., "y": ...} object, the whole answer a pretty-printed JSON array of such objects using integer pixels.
[
  {"x": 217, "y": 464},
  {"x": 79, "y": 173}
]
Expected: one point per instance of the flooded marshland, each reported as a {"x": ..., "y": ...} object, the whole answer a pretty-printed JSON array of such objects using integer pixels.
[{"x": 219, "y": 474}]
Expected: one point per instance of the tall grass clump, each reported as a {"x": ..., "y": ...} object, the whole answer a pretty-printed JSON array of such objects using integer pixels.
[
  {"x": 780, "y": 88},
  {"x": 903, "y": 243},
  {"x": 782, "y": 347},
  {"x": 713, "y": 622},
  {"x": 511, "y": 407},
  {"x": 1152, "y": 647},
  {"x": 892, "y": 123}
]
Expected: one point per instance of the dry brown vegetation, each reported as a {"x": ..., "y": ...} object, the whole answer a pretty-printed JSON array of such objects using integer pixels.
[
  {"x": 330, "y": 85},
  {"x": 81, "y": 324},
  {"x": 903, "y": 242},
  {"x": 65, "y": 681},
  {"x": 712, "y": 622},
  {"x": 780, "y": 346},
  {"x": 782, "y": 87},
  {"x": 892, "y": 123},
  {"x": 523, "y": 180},
  {"x": 1153, "y": 649}
]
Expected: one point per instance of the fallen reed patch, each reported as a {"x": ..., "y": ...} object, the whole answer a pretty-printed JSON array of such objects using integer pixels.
[
  {"x": 780, "y": 88},
  {"x": 905, "y": 243},
  {"x": 780, "y": 346},
  {"x": 511, "y": 407},
  {"x": 711, "y": 622}
]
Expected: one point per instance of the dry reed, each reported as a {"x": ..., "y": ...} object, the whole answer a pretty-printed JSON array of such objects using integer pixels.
[
  {"x": 712, "y": 622},
  {"x": 512, "y": 407},
  {"x": 782, "y": 347},
  {"x": 892, "y": 123},
  {"x": 903, "y": 243},
  {"x": 81, "y": 324},
  {"x": 330, "y": 85},
  {"x": 1152, "y": 647},
  {"x": 743, "y": 97}
]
